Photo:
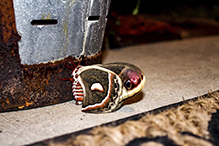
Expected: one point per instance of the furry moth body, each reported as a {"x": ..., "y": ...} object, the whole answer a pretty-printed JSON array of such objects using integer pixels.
[{"x": 103, "y": 88}]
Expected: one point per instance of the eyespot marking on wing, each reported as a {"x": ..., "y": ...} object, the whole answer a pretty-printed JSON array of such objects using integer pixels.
[{"x": 97, "y": 87}]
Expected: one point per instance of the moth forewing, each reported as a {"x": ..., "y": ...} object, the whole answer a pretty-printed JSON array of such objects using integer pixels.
[{"x": 127, "y": 94}]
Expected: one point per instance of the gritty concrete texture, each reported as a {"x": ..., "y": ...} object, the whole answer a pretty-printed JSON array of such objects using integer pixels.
[{"x": 174, "y": 71}]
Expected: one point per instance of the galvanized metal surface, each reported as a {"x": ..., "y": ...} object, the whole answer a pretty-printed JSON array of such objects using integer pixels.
[{"x": 79, "y": 30}]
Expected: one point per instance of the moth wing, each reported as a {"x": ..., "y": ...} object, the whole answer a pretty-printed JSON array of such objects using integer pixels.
[
  {"x": 128, "y": 73},
  {"x": 115, "y": 67},
  {"x": 101, "y": 89}
]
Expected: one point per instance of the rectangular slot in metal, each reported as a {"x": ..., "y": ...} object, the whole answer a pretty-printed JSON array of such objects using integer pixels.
[
  {"x": 93, "y": 18},
  {"x": 44, "y": 22}
]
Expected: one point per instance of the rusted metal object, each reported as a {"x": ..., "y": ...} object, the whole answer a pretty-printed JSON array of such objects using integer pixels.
[
  {"x": 24, "y": 87},
  {"x": 7, "y": 21},
  {"x": 29, "y": 86}
]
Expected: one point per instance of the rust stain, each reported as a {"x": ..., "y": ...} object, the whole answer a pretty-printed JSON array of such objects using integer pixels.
[
  {"x": 7, "y": 101},
  {"x": 7, "y": 20},
  {"x": 21, "y": 107}
]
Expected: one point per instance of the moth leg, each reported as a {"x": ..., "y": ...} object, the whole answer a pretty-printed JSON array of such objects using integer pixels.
[
  {"x": 72, "y": 62},
  {"x": 65, "y": 79},
  {"x": 72, "y": 68}
]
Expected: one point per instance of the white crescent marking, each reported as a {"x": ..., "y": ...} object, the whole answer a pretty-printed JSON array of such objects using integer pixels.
[
  {"x": 104, "y": 100},
  {"x": 97, "y": 87}
]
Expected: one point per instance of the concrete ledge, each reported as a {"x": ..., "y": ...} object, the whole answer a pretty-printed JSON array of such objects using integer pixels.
[{"x": 174, "y": 70}]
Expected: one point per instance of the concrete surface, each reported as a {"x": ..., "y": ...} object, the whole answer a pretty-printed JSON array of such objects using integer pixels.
[{"x": 174, "y": 70}]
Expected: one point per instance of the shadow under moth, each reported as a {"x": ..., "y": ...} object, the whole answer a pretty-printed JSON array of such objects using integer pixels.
[{"x": 103, "y": 88}]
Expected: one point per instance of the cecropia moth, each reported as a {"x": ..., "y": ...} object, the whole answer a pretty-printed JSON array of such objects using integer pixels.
[{"x": 103, "y": 88}]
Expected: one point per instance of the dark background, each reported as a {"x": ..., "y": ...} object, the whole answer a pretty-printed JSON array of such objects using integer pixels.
[
  {"x": 200, "y": 8},
  {"x": 159, "y": 21}
]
